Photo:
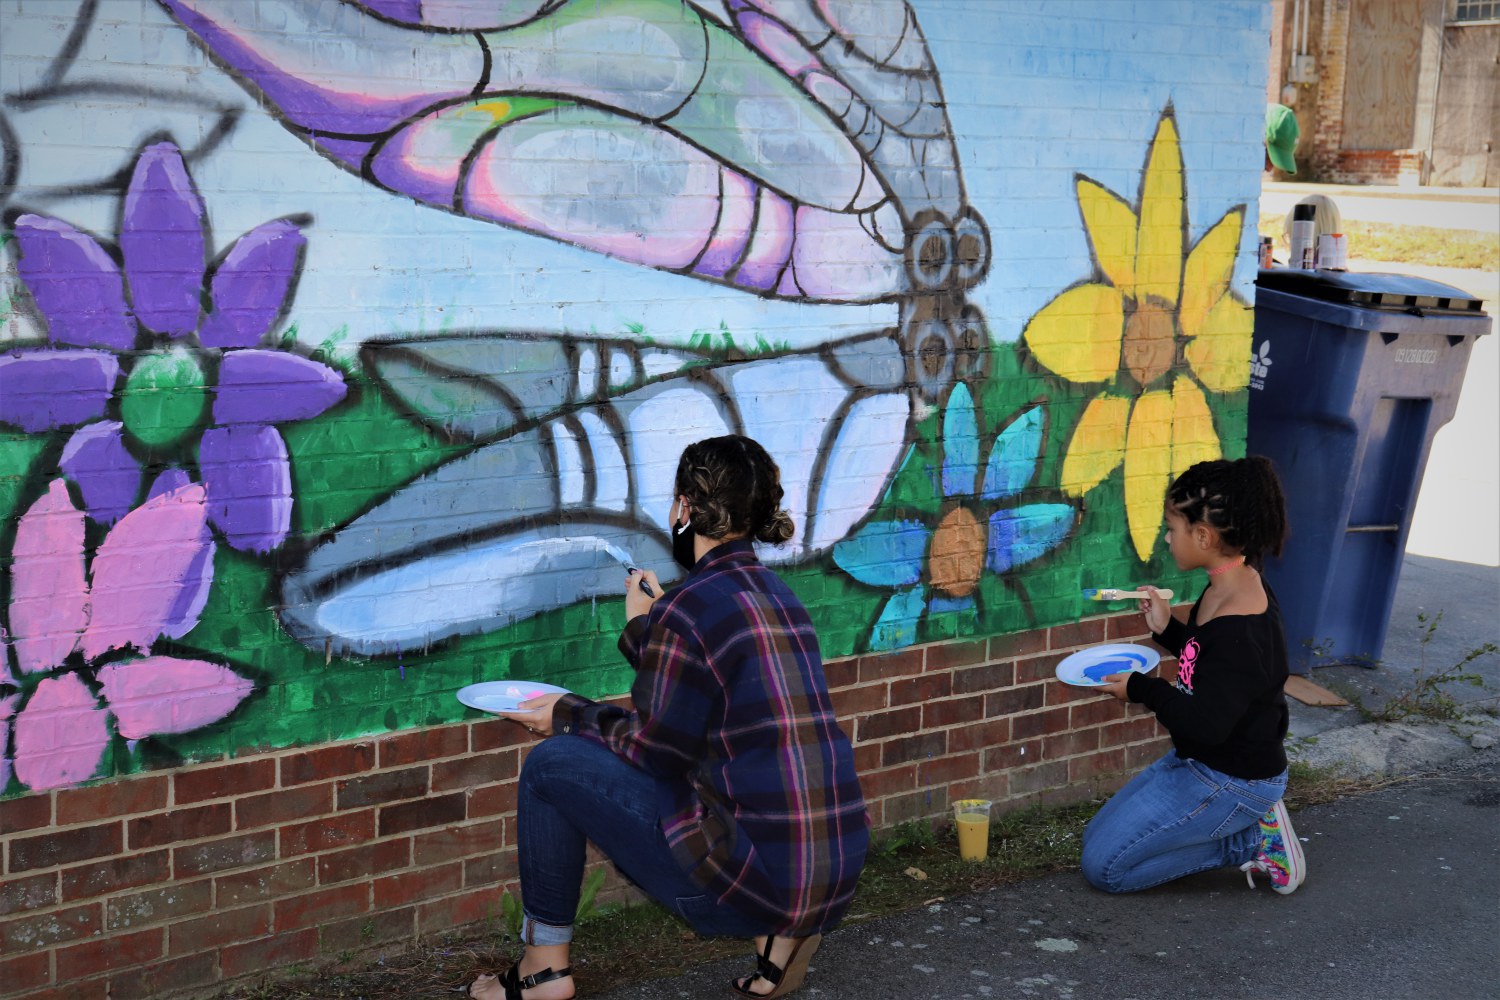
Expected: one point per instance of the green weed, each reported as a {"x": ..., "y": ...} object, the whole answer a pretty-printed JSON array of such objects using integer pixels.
[{"x": 1428, "y": 695}]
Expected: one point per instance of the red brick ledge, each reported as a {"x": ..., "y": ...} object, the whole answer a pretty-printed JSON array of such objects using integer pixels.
[{"x": 179, "y": 881}]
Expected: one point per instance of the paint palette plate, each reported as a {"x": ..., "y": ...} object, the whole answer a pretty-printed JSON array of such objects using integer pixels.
[
  {"x": 504, "y": 696},
  {"x": 1089, "y": 667}
]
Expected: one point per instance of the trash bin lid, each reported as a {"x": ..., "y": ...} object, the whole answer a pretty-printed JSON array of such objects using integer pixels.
[{"x": 1394, "y": 292}]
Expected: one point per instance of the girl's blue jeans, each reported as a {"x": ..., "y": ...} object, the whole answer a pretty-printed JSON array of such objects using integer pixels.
[
  {"x": 573, "y": 790},
  {"x": 1177, "y": 817}
]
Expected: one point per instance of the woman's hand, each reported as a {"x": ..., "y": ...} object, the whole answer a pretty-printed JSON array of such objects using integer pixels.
[
  {"x": 1158, "y": 610},
  {"x": 1114, "y": 685},
  {"x": 637, "y": 601},
  {"x": 535, "y": 714}
]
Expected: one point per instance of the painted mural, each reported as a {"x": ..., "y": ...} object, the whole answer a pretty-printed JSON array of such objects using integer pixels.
[
  {"x": 295, "y": 458},
  {"x": 1159, "y": 303}
]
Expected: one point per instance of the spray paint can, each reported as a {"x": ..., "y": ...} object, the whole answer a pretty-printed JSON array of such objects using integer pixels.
[
  {"x": 1265, "y": 252},
  {"x": 1304, "y": 226},
  {"x": 1333, "y": 252}
]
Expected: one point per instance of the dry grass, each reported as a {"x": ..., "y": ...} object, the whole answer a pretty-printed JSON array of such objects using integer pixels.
[
  {"x": 1312, "y": 786},
  {"x": 1411, "y": 244}
]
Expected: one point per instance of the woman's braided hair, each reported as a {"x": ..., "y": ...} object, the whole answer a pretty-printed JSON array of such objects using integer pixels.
[
  {"x": 733, "y": 488},
  {"x": 1241, "y": 499}
]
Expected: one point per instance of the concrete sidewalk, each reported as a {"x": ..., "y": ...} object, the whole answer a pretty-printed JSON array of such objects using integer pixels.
[{"x": 1400, "y": 900}]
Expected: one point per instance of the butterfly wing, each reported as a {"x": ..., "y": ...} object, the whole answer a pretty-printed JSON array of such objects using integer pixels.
[
  {"x": 699, "y": 155},
  {"x": 576, "y": 443}
]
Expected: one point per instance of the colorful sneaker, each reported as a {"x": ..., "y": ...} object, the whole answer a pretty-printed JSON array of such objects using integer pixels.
[{"x": 1280, "y": 856}]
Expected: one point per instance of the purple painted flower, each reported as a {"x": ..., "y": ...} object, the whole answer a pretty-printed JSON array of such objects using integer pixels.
[
  {"x": 71, "y": 618},
  {"x": 203, "y": 331}
]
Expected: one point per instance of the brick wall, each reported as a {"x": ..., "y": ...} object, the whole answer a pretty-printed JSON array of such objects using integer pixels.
[
  {"x": 1332, "y": 47},
  {"x": 186, "y": 879},
  {"x": 1373, "y": 166}
]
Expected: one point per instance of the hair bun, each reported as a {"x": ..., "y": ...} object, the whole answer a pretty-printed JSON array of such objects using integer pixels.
[{"x": 777, "y": 529}]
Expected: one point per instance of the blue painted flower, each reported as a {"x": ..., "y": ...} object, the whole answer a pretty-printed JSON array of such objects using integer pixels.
[{"x": 935, "y": 564}]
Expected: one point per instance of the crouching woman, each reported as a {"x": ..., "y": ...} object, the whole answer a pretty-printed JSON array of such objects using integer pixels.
[{"x": 729, "y": 793}]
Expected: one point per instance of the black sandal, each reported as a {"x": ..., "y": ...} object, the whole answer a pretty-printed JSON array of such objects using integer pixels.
[
  {"x": 513, "y": 982},
  {"x": 784, "y": 980}
]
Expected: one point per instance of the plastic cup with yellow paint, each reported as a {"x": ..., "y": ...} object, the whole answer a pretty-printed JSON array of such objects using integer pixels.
[{"x": 971, "y": 817}]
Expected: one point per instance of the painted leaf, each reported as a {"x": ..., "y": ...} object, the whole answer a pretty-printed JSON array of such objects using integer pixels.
[
  {"x": 164, "y": 694},
  {"x": 253, "y": 284},
  {"x": 107, "y": 475},
  {"x": 884, "y": 553},
  {"x": 1148, "y": 468},
  {"x": 1194, "y": 439},
  {"x": 199, "y": 578},
  {"x": 1111, "y": 225},
  {"x": 49, "y": 597},
  {"x": 1159, "y": 241},
  {"x": 60, "y": 734},
  {"x": 897, "y": 625},
  {"x": 960, "y": 444},
  {"x": 75, "y": 284},
  {"x": 270, "y": 387},
  {"x": 163, "y": 240},
  {"x": 7, "y": 709},
  {"x": 1220, "y": 354},
  {"x": 142, "y": 569},
  {"x": 1097, "y": 446},
  {"x": 249, "y": 485},
  {"x": 1019, "y": 535},
  {"x": 1205, "y": 276},
  {"x": 1013, "y": 459},
  {"x": 1078, "y": 334},
  {"x": 41, "y": 390}
]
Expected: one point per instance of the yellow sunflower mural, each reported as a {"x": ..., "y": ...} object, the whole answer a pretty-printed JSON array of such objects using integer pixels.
[{"x": 1158, "y": 325}]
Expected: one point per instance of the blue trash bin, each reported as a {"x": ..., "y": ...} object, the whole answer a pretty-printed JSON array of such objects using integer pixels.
[{"x": 1351, "y": 376}]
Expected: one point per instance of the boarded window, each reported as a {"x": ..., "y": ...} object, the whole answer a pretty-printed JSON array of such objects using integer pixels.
[{"x": 1380, "y": 82}]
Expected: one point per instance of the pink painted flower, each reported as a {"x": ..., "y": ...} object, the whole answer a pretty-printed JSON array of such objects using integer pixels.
[{"x": 90, "y": 625}]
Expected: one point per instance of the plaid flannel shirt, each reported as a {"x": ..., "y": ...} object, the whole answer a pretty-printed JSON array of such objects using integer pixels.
[{"x": 761, "y": 802}]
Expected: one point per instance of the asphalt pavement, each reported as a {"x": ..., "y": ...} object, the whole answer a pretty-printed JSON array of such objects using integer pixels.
[{"x": 1401, "y": 902}]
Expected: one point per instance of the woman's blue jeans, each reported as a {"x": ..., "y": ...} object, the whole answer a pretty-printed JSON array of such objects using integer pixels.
[
  {"x": 1178, "y": 817},
  {"x": 574, "y": 790}
]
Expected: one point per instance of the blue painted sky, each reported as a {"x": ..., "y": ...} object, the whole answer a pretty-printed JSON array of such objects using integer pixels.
[{"x": 1037, "y": 92}]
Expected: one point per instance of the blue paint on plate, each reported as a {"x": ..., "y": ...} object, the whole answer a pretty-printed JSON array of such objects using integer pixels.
[{"x": 1117, "y": 664}]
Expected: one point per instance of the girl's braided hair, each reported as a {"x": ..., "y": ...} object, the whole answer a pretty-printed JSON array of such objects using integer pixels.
[
  {"x": 1241, "y": 499},
  {"x": 733, "y": 487}
]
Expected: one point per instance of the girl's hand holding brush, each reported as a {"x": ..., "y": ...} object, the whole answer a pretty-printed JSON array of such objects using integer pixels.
[{"x": 1156, "y": 606}]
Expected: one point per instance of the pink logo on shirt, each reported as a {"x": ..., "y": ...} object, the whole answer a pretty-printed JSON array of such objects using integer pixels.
[{"x": 1185, "y": 664}]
